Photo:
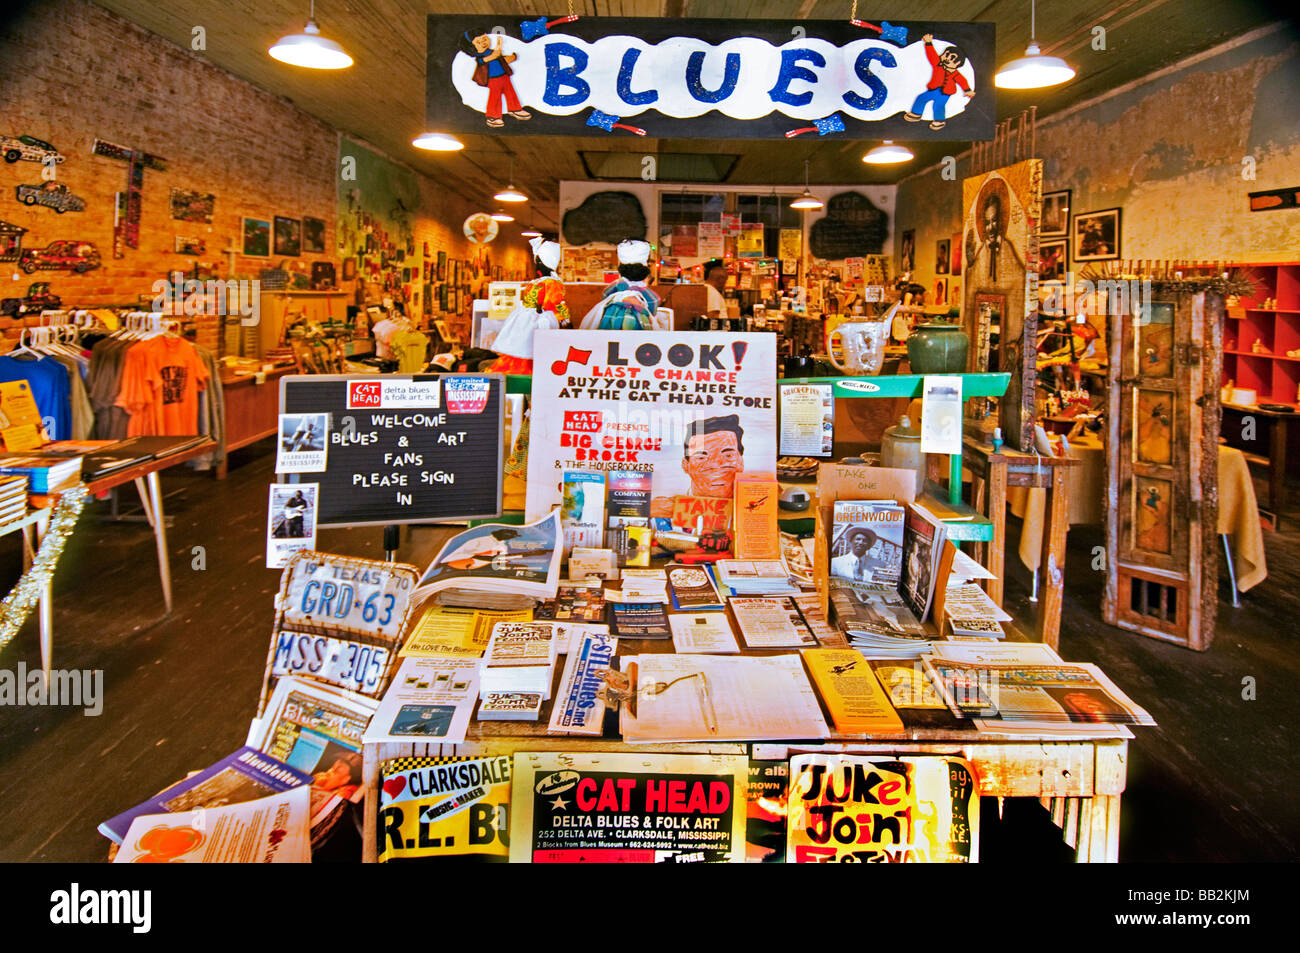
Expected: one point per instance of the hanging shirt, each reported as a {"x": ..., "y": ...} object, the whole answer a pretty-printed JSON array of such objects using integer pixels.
[
  {"x": 161, "y": 381},
  {"x": 409, "y": 349},
  {"x": 50, "y": 389}
]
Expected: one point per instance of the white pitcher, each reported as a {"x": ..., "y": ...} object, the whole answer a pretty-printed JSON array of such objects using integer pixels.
[{"x": 863, "y": 344}]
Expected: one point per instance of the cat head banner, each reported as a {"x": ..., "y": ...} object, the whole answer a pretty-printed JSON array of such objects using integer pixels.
[{"x": 711, "y": 79}]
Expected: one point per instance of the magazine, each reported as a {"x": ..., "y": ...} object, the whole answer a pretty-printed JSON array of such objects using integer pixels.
[
  {"x": 582, "y": 510},
  {"x": 771, "y": 623},
  {"x": 495, "y": 557},
  {"x": 691, "y": 588},
  {"x": 270, "y": 830},
  {"x": 246, "y": 775},
  {"x": 629, "y": 498},
  {"x": 866, "y": 542},
  {"x": 923, "y": 539}
]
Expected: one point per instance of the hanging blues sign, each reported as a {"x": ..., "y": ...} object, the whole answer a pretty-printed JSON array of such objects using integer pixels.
[{"x": 710, "y": 79}]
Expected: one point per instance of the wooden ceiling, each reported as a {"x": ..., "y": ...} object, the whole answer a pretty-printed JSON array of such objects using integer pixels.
[{"x": 381, "y": 98}]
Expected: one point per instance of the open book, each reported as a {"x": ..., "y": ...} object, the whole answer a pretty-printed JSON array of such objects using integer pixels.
[{"x": 495, "y": 557}]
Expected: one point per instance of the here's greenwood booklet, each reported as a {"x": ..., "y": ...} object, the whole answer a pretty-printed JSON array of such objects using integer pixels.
[{"x": 496, "y": 557}]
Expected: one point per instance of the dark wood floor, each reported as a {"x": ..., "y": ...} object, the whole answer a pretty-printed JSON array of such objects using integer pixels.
[{"x": 1211, "y": 783}]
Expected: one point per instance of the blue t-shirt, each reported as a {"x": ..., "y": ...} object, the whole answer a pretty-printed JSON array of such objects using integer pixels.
[{"x": 50, "y": 389}]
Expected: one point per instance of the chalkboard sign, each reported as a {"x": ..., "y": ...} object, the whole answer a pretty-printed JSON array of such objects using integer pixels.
[
  {"x": 609, "y": 217},
  {"x": 420, "y": 449},
  {"x": 851, "y": 228}
]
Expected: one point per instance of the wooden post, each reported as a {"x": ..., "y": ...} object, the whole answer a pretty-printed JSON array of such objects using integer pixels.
[{"x": 1053, "y": 560}]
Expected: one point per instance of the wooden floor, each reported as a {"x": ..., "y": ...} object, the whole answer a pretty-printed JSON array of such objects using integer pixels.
[{"x": 1211, "y": 783}]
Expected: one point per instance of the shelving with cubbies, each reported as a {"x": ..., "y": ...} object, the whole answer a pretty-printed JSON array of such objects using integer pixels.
[{"x": 1256, "y": 339}]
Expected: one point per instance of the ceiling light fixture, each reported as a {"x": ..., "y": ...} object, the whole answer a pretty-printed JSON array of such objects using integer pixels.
[
  {"x": 1033, "y": 70},
  {"x": 309, "y": 49},
  {"x": 807, "y": 200},
  {"x": 500, "y": 216},
  {"x": 888, "y": 154},
  {"x": 510, "y": 193},
  {"x": 530, "y": 232},
  {"x": 437, "y": 142}
]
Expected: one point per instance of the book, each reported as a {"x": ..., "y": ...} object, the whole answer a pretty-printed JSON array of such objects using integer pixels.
[
  {"x": 771, "y": 623},
  {"x": 635, "y": 620},
  {"x": 582, "y": 508},
  {"x": 923, "y": 539},
  {"x": 45, "y": 475},
  {"x": 703, "y": 632},
  {"x": 493, "y": 557},
  {"x": 245, "y": 775},
  {"x": 510, "y": 706},
  {"x": 866, "y": 542},
  {"x": 1067, "y": 692},
  {"x": 629, "y": 498},
  {"x": 854, "y": 698},
  {"x": 754, "y": 509},
  {"x": 691, "y": 588}
]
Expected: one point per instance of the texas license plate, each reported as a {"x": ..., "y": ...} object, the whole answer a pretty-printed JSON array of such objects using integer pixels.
[
  {"x": 349, "y": 665},
  {"x": 342, "y": 596}
]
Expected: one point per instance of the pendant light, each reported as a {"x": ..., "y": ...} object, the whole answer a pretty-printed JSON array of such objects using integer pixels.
[
  {"x": 807, "y": 200},
  {"x": 309, "y": 49},
  {"x": 510, "y": 193},
  {"x": 1033, "y": 70},
  {"x": 500, "y": 216},
  {"x": 888, "y": 154},
  {"x": 437, "y": 142},
  {"x": 530, "y": 232}
]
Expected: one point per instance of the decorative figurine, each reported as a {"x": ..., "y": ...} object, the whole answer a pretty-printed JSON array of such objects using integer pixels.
[{"x": 541, "y": 305}]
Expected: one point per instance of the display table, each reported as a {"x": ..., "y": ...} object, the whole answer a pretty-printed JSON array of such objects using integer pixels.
[
  {"x": 33, "y": 527},
  {"x": 252, "y": 409},
  {"x": 1278, "y": 424}
]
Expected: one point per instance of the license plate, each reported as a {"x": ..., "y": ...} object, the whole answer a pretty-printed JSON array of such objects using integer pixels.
[
  {"x": 349, "y": 665},
  {"x": 345, "y": 597}
]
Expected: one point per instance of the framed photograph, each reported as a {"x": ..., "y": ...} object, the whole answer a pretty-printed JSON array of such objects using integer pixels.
[
  {"x": 442, "y": 266},
  {"x": 907, "y": 258},
  {"x": 941, "y": 257},
  {"x": 444, "y": 331},
  {"x": 954, "y": 261},
  {"x": 1056, "y": 215},
  {"x": 940, "y": 292},
  {"x": 288, "y": 237},
  {"x": 349, "y": 268},
  {"x": 190, "y": 206},
  {"x": 426, "y": 249},
  {"x": 313, "y": 236},
  {"x": 1053, "y": 260},
  {"x": 1096, "y": 235},
  {"x": 191, "y": 246},
  {"x": 257, "y": 237}
]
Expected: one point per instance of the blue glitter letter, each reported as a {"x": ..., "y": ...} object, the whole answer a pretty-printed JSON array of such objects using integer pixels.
[
  {"x": 558, "y": 77},
  {"x": 731, "y": 74},
  {"x": 625, "y": 82},
  {"x": 791, "y": 71},
  {"x": 863, "y": 68}
]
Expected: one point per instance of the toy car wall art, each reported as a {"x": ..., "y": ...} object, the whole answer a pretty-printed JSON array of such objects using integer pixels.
[
  {"x": 53, "y": 195},
  {"x": 69, "y": 255},
  {"x": 30, "y": 148}
]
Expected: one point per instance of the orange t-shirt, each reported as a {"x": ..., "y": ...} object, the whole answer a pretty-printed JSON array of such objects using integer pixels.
[{"x": 161, "y": 380}]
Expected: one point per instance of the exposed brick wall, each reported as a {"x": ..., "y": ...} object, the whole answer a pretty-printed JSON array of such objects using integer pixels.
[{"x": 73, "y": 72}]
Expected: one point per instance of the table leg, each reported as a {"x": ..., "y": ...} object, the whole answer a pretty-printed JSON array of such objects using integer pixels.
[
  {"x": 1081, "y": 850},
  {"x": 997, "y": 513},
  {"x": 46, "y": 608},
  {"x": 1053, "y": 561},
  {"x": 151, "y": 501},
  {"x": 370, "y": 806},
  {"x": 1277, "y": 465}
]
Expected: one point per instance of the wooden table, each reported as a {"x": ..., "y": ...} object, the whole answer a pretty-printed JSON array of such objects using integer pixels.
[
  {"x": 252, "y": 409},
  {"x": 1278, "y": 423},
  {"x": 992, "y": 473},
  {"x": 145, "y": 477},
  {"x": 33, "y": 527}
]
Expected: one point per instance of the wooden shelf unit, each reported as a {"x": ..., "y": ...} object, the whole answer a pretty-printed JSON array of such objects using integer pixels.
[{"x": 1273, "y": 375}]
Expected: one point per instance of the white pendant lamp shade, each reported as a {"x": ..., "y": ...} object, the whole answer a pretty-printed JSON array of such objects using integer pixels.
[
  {"x": 309, "y": 49},
  {"x": 437, "y": 142},
  {"x": 530, "y": 233},
  {"x": 888, "y": 153},
  {"x": 500, "y": 216},
  {"x": 510, "y": 194},
  {"x": 807, "y": 201},
  {"x": 1033, "y": 70}
]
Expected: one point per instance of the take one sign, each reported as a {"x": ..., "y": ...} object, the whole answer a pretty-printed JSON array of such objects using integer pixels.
[{"x": 692, "y": 79}]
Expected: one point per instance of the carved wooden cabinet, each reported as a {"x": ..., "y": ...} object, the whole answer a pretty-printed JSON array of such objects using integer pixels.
[{"x": 1162, "y": 464}]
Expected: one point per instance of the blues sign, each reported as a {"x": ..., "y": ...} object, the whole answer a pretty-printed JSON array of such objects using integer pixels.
[{"x": 710, "y": 79}]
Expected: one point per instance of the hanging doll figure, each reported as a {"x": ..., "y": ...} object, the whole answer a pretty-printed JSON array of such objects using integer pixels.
[
  {"x": 541, "y": 305},
  {"x": 628, "y": 304}
]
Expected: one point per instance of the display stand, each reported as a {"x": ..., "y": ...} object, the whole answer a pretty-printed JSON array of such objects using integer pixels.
[{"x": 993, "y": 471}]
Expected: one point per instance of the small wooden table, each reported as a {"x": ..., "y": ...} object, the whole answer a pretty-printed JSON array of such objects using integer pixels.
[
  {"x": 992, "y": 473},
  {"x": 1278, "y": 423}
]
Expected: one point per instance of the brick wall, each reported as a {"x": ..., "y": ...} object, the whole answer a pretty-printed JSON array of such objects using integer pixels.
[{"x": 73, "y": 72}]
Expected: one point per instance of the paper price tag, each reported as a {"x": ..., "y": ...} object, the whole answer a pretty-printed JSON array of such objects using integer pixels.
[{"x": 941, "y": 414}]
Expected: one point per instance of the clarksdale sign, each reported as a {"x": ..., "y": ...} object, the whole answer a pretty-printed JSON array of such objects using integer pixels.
[{"x": 710, "y": 79}]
